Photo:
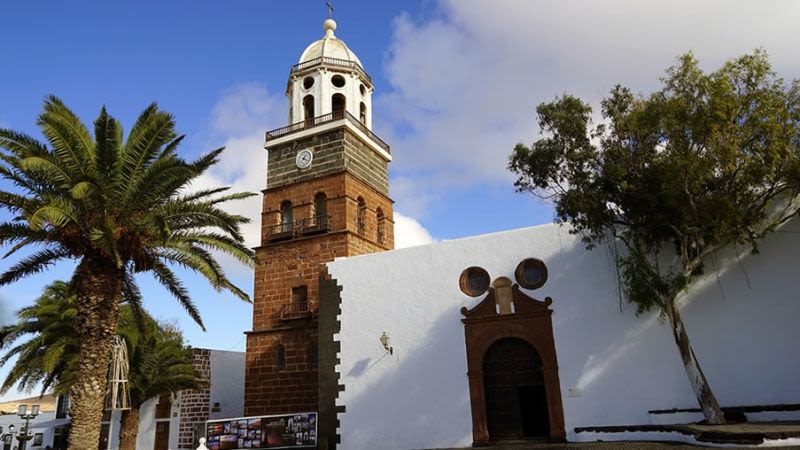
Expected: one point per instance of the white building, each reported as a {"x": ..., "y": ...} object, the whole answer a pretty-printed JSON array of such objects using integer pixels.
[
  {"x": 164, "y": 423},
  {"x": 609, "y": 367},
  {"x": 178, "y": 423}
]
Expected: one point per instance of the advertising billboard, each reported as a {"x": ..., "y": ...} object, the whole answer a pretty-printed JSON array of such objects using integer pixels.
[{"x": 263, "y": 432}]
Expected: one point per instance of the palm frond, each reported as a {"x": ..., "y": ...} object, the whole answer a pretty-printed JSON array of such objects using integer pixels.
[
  {"x": 21, "y": 145},
  {"x": 217, "y": 241},
  {"x": 69, "y": 138},
  {"x": 34, "y": 263},
  {"x": 108, "y": 142},
  {"x": 153, "y": 130},
  {"x": 167, "y": 278}
]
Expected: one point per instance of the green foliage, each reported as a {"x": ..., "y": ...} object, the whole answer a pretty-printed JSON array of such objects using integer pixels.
[
  {"x": 51, "y": 350},
  {"x": 120, "y": 203},
  {"x": 709, "y": 160},
  {"x": 159, "y": 360}
]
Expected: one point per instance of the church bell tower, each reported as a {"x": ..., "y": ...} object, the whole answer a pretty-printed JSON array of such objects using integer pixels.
[{"x": 327, "y": 196}]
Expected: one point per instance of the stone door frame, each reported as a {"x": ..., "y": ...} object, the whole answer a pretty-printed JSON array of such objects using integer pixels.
[{"x": 531, "y": 322}]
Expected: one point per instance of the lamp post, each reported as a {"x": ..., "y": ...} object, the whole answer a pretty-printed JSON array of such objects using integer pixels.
[{"x": 24, "y": 434}]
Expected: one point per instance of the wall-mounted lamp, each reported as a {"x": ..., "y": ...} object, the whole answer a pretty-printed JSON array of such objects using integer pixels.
[{"x": 385, "y": 342}]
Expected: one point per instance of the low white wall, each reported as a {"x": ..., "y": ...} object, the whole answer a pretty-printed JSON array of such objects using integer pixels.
[
  {"x": 146, "y": 437},
  {"x": 618, "y": 365}
]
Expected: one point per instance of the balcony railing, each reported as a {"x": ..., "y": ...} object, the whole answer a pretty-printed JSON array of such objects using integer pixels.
[
  {"x": 315, "y": 225},
  {"x": 280, "y": 231},
  {"x": 322, "y": 120},
  {"x": 293, "y": 311},
  {"x": 331, "y": 62},
  {"x": 304, "y": 227}
]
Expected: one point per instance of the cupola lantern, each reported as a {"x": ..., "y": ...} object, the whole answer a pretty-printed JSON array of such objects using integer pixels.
[{"x": 329, "y": 82}]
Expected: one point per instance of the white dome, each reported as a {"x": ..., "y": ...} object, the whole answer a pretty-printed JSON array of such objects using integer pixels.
[{"x": 329, "y": 46}]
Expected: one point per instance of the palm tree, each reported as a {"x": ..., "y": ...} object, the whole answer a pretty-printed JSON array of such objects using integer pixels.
[
  {"x": 117, "y": 207},
  {"x": 160, "y": 363},
  {"x": 50, "y": 356}
]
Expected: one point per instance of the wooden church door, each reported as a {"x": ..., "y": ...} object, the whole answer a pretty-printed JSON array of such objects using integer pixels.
[{"x": 516, "y": 403}]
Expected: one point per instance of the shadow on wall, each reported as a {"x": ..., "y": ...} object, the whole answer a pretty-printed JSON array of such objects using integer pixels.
[
  {"x": 612, "y": 364},
  {"x": 621, "y": 365},
  {"x": 397, "y": 412}
]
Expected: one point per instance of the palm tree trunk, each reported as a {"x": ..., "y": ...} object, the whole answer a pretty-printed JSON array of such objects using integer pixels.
[
  {"x": 129, "y": 429},
  {"x": 702, "y": 390},
  {"x": 98, "y": 288}
]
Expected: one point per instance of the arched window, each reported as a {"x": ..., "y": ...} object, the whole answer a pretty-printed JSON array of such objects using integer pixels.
[
  {"x": 308, "y": 107},
  {"x": 320, "y": 209},
  {"x": 280, "y": 356},
  {"x": 339, "y": 102},
  {"x": 361, "y": 217},
  {"x": 381, "y": 226},
  {"x": 363, "y": 113},
  {"x": 313, "y": 356},
  {"x": 287, "y": 219}
]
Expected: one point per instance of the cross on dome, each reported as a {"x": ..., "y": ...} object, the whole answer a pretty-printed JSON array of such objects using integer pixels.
[{"x": 329, "y": 46}]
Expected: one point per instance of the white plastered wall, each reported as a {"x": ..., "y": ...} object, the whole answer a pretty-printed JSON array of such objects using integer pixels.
[
  {"x": 227, "y": 384},
  {"x": 613, "y": 366}
]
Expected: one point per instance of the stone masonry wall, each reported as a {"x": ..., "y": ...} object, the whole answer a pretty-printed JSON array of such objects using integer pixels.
[
  {"x": 194, "y": 407},
  {"x": 328, "y": 159},
  {"x": 334, "y": 151},
  {"x": 293, "y": 386}
]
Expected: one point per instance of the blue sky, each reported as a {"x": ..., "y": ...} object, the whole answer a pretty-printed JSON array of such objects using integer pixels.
[{"x": 456, "y": 83}]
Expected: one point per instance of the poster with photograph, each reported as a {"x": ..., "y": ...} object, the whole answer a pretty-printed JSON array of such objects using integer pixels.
[{"x": 264, "y": 432}]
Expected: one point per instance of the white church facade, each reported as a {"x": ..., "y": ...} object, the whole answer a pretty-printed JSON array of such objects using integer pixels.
[
  {"x": 513, "y": 335},
  {"x": 613, "y": 368}
]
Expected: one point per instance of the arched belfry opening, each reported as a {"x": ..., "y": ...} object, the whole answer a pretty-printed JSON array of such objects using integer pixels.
[
  {"x": 338, "y": 104},
  {"x": 514, "y": 389},
  {"x": 308, "y": 107},
  {"x": 511, "y": 357}
]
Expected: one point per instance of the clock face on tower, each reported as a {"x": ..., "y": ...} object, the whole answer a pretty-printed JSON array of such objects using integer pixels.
[{"x": 304, "y": 158}]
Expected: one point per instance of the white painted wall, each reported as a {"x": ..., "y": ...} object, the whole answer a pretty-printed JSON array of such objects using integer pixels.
[
  {"x": 44, "y": 423},
  {"x": 227, "y": 383},
  {"x": 745, "y": 336},
  {"x": 146, "y": 437}
]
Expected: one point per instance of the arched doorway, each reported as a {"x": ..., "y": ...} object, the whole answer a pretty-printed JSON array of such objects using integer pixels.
[
  {"x": 511, "y": 357},
  {"x": 516, "y": 401}
]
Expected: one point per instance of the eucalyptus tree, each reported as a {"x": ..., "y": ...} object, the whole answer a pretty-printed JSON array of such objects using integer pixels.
[
  {"x": 117, "y": 206},
  {"x": 708, "y": 161}
]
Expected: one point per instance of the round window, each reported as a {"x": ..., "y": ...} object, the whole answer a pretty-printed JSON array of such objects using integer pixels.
[
  {"x": 363, "y": 90},
  {"x": 474, "y": 281},
  {"x": 308, "y": 82},
  {"x": 531, "y": 273},
  {"x": 338, "y": 81}
]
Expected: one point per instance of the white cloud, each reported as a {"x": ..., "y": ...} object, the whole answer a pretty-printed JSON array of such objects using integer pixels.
[
  {"x": 408, "y": 232},
  {"x": 464, "y": 84},
  {"x": 240, "y": 117},
  {"x": 246, "y": 109}
]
